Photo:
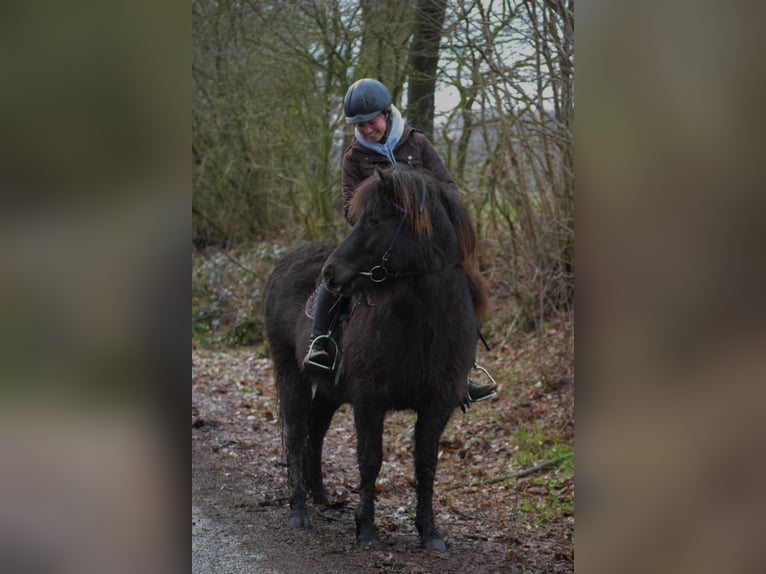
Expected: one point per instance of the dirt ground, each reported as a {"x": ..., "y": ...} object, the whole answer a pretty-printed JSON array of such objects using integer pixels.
[{"x": 493, "y": 520}]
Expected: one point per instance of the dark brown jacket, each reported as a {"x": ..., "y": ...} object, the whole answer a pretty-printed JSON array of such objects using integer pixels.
[{"x": 413, "y": 148}]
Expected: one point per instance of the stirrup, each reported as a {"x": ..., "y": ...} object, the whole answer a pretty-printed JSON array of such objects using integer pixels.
[
  {"x": 488, "y": 396},
  {"x": 320, "y": 366}
]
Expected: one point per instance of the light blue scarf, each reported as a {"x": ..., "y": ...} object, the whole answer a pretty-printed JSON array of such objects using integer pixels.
[{"x": 386, "y": 149}]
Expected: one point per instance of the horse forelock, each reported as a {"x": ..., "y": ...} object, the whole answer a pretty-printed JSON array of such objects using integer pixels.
[
  {"x": 359, "y": 200},
  {"x": 415, "y": 192},
  {"x": 410, "y": 192}
]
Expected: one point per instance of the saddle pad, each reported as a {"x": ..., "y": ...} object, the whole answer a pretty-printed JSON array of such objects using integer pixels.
[{"x": 311, "y": 304}]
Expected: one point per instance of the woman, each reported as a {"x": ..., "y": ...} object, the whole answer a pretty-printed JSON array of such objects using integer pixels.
[{"x": 382, "y": 138}]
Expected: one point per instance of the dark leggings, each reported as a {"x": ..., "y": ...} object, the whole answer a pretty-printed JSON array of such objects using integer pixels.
[{"x": 324, "y": 303}]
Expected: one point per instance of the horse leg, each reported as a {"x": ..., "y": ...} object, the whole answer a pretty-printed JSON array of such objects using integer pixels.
[
  {"x": 295, "y": 402},
  {"x": 322, "y": 411},
  {"x": 369, "y": 453},
  {"x": 428, "y": 430}
]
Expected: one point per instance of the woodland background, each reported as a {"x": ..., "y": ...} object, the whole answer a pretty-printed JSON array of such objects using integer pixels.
[{"x": 490, "y": 82}]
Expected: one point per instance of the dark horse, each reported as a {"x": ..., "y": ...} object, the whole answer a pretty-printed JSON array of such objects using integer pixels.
[{"x": 417, "y": 297}]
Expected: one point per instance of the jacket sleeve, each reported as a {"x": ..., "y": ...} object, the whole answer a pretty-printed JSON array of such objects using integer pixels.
[
  {"x": 434, "y": 164},
  {"x": 350, "y": 179}
]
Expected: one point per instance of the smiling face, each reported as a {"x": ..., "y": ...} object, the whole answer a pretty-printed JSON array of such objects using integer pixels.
[{"x": 374, "y": 130}]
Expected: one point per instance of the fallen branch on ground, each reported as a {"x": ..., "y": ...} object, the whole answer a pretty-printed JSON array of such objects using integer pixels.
[{"x": 545, "y": 465}]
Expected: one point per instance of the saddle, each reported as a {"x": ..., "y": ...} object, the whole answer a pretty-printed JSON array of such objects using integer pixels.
[{"x": 339, "y": 315}]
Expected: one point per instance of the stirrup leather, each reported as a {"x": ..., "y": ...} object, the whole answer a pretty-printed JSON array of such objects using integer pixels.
[{"x": 320, "y": 366}]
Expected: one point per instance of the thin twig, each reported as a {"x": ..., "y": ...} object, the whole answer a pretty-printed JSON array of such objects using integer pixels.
[
  {"x": 545, "y": 465},
  {"x": 542, "y": 466},
  {"x": 237, "y": 263}
]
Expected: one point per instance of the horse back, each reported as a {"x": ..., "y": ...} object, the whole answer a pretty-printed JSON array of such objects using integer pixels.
[{"x": 290, "y": 284}]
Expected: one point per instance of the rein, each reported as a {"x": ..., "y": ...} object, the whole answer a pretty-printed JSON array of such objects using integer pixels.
[{"x": 380, "y": 273}]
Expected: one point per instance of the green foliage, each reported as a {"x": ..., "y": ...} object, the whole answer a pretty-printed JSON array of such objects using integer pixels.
[
  {"x": 227, "y": 295},
  {"x": 533, "y": 445},
  {"x": 246, "y": 333},
  {"x": 202, "y": 325},
  {"x": 271, "y": 253}
]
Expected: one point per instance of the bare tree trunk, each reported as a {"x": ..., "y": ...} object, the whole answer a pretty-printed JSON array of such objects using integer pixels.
[{"x": 424, "y": 57}]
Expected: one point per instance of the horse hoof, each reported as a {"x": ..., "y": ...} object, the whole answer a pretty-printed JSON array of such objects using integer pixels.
[
  {"x": 369, "y": 543},
  {"x": 299, "y": 520},
  {"x": 321, "y": 497},
  {"x": 367, "y": 536},
  {"x": 435, "y": 544},
  {"x": 322, "y": 500}
]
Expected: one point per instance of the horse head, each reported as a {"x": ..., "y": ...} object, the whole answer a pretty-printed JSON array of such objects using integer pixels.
[{"x": 394, "y": 234}]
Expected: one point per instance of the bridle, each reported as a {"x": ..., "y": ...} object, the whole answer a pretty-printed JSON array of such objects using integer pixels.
[{"x": 379, "y": 273}]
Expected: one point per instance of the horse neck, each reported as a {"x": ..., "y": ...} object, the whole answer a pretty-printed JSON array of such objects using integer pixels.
[{"x": 435, "y": 294}]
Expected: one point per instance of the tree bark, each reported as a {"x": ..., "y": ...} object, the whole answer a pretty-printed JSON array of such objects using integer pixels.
[{"x": 423, "y": 60}]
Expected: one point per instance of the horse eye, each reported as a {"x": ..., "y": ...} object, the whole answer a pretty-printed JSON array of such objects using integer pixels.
[{"x": 374, "y": 220}]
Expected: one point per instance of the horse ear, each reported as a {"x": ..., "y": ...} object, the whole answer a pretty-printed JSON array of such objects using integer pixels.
[{"x": 381, "y": 173}]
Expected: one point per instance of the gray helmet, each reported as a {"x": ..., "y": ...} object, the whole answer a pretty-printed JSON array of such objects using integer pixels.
[{"x": 364, "y": 100}]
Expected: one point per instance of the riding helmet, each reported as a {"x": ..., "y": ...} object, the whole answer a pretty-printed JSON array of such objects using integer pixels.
[{"x": 364, "y": 100}]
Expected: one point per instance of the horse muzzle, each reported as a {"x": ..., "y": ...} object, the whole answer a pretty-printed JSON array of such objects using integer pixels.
[{"x": 336, "y": 279}]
